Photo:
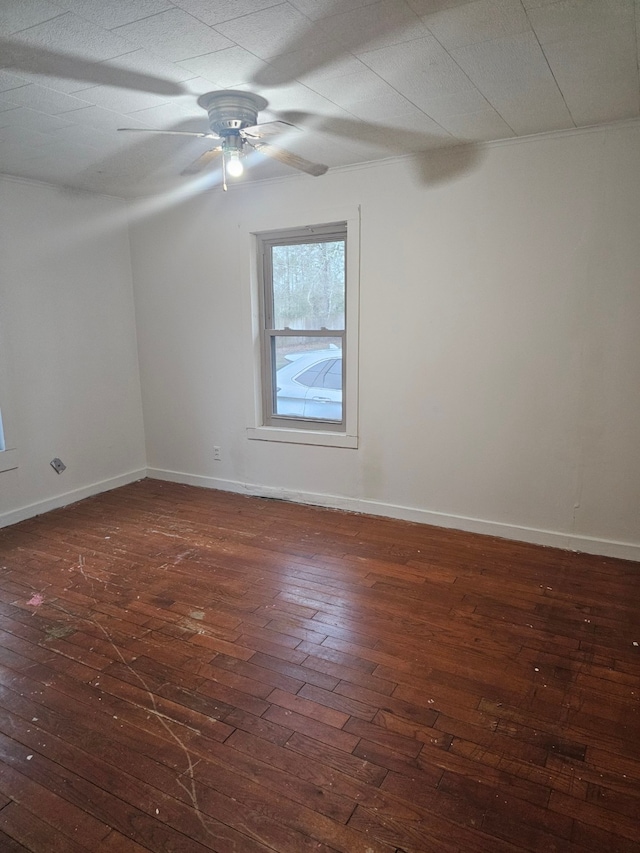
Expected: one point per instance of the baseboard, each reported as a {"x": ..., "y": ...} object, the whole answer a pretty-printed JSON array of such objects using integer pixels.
[
  {"x": 549, "y": 538},
  {"x": 66, "y": 498}
]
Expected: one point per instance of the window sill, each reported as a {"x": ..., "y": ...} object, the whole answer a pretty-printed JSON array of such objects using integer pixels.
[
  {"x": 8, "y": 460},
  {"x": 300, "y": 436}
]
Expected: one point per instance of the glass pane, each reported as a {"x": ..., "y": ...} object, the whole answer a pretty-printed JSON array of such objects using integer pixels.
[
  {"x": 308, "y": 285},
  {"x": 313, "y": 376},
  {"x": 333, "y": 377},
  {"x": 302, "y": 363}
]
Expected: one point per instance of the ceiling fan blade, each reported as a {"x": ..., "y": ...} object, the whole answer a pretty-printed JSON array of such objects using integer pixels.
[
  {"x": 289, "y": 159},
  {"x": 39, "y": 60},
  {"x": 269, "y": 128},
  {"x": 202, "y": 161},
  {"x": 171, "y": 132}
]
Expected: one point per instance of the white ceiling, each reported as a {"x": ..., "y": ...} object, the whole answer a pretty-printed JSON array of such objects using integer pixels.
[{"x": 365, "y": 79}]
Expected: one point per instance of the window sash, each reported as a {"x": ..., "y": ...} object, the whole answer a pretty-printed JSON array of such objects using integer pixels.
[{"x": 332, "y": 232}]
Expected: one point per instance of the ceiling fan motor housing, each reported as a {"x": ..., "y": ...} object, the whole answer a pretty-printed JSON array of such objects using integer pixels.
[{"x": 230, "y": 111}]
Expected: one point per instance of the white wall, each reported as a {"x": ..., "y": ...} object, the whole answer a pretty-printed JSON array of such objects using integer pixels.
[
  {"x": 68, "y": 347},
  {"x": 499, "y": 348}
]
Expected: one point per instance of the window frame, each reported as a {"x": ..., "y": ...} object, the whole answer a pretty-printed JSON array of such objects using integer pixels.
[
  {"x": 332, "y": 232},
  {"x": 293, "y": 431},
  {"x": 8, "y": 452}
]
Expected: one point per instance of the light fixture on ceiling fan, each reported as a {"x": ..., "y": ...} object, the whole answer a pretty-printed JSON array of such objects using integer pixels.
[{"x": 233, "y": 117}]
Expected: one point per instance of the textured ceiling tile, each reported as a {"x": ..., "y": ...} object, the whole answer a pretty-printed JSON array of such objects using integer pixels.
[
  {"x": 72, "y": 35},
  {"x": 308, "y": 64},
  {"x": 214, "y": 12},
  {"x": 16, "y": 15},
  {"x": 427, "y": 7},
  {"x": 86, "y": 135},
  {"x": 299, "y": 97},
  {"x": 183, "y": 114},
  {"x": 104, "y": 120},
  {"x": 597, "y": 91},
  {"x": 174, "y": 34},
  {"x": 513, "y": 74},
  {"x": 121, "y": 100},
  {"x": 34, "y": 67},
  {"x": 388, "y": 140},
  {"x": 226, "y": 68},
  {"x": 10, "y": 81},
  {"x": 350, "y": 88},
  {"x": 421, "y": 124},
  {"x": 476, "y": 22},
  {"x": 6, "y": 105},
  {"x": 146, "y": 63},
  {"x": 27, "y": 120},
  {"x": 385, "y": 109},
  {"x": 193, "y": 88},
  {"x": 14, "y": 154},
  {"x": 569, "y": 20},
  {"x": 298, "y": 65},
  {"x": 421, "y": 67},
  {"x": 478, "y": 126},
  {"x": 316, "y": 9},
  {"x": 395, "y": 111},
  {"x": 115, "y": 13},
  {"x": 147, "y": 70},
  {"x": 375, "y": 26},
  {"x": 58, "y": 149},
  {"x": 279, "y": 29},
  {"x": 440, "y": 107},
  {"x": 536, "y": 4},
  {"x": 45, "y": 100},
  {"x": 526, "y": 118}
]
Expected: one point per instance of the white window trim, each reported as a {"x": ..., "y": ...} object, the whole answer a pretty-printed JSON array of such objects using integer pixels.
[
  {"x": 279, "y": 220},
  {"x": 8, "y": 456},
  {"x": 8, "y": 459}
]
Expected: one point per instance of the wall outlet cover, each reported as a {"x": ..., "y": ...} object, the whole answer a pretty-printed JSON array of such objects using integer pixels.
[{"x": 58, "y": 465}]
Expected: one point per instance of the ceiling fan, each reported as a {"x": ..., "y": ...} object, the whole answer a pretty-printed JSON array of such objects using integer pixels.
[
  {"x": 233, "y": 117},
  {"x": 233, "y": 114}
]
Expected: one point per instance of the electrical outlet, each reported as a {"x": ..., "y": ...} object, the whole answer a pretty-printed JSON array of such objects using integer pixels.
[
  {"x": 216, "y": 453},
  {"x": 58, "y": 465}
]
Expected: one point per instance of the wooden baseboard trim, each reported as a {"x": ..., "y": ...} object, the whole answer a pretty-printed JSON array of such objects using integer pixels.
[
  {"x": 66, "y": 498},
  {"x": 549, "y": 538}
]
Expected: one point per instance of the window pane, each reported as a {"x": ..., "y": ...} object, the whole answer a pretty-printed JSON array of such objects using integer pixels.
[
  {"x": 302, "y": 364},
  {"x": 309, "y": 285},
  {"x": 313, "y": 376},
  {"x": 333, "y": 376}
]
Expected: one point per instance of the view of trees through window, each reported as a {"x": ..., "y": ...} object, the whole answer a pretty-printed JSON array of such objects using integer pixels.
[{"x": 308, "y": 285}]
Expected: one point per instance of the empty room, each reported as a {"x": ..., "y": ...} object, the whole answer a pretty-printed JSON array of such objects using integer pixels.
[{"x": 319, "y": 426}]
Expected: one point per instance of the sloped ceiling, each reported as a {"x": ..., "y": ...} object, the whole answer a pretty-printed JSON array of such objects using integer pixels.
[{"x": 363, "y": 79}]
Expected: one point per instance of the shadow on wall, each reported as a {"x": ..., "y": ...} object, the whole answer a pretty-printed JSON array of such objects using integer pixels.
[{"x": 442, "y": 165}]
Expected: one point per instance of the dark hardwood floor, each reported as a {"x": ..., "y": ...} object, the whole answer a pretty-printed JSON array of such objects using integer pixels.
[{"x": 187, "y": 670}]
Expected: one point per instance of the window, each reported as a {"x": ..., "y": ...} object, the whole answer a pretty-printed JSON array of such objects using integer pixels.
[
  {"x": 8, "y": 458},
  {"x": 8, "y": 453},
  {"x": 303, "y": 289},
  {"x": 305, "y": 329}
]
